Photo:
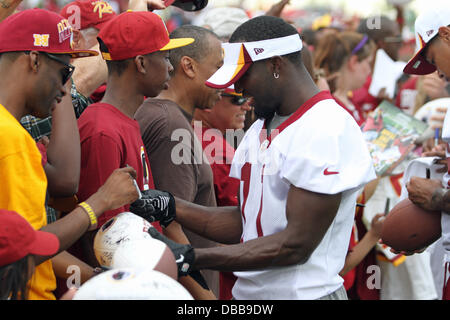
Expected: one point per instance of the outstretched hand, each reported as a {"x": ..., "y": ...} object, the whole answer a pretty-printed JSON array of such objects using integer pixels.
[
  {"x": 117, "y": 191},
  {"x": 277, "y": 8},
  {"x": 155, "y": 5}
]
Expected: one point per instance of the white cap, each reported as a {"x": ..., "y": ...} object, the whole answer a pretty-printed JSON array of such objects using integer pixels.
[
  {"x": 426, "y": 28},
  {"x": 240, "y": 55},
  {"x": 224, "y": 21},
  {"x": 132, "y": 284}
]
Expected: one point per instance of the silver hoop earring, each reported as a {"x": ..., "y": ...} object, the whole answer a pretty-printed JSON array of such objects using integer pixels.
[{"x": 276, "y": 75}]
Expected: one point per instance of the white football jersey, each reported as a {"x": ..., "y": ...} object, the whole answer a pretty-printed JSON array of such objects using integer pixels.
[{"x": 319, "y": 148}]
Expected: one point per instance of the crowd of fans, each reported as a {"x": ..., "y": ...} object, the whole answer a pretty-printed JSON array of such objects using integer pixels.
[{"x": 73, "y": 154}]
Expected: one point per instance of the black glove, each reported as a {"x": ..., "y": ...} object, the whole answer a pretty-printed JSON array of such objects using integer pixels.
[
  {"x": 184, "y": 257},
  {"x": 184, "y": 253},
  {"x": 155, "y": 205}
]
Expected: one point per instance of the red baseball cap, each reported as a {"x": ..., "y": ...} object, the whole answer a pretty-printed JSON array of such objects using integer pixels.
[
  {"x": 83, "y": 14},
  {"x": 39, "y": 30},
  {"x": 18, "y": 239},
  {"x": 136, "y": 33}
]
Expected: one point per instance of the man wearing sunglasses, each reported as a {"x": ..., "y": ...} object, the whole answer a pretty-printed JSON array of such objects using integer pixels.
[
  {"x": 224, "y": 120},
  {"x": 35, "y": 49},
  {"x": 228, "y": 113}
]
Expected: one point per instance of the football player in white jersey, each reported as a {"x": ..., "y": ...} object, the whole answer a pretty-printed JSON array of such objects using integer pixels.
[
  {"x": 300, "y": 166},
  {"x": 433, "y": 40}
]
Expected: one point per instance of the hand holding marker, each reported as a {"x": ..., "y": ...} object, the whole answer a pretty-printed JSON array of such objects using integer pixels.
[{"x": 137, "y": 187}]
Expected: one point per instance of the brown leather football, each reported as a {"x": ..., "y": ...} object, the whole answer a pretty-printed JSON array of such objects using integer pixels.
[{"x": 408, "y": 227}]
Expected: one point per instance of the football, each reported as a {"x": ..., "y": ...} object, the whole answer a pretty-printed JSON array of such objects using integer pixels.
[
  {"x": 132, "y": 284},
  {"x": 150, "y": 253},
  {"x": 408, "y": 227},
  {"x": 124, "y": 227}
]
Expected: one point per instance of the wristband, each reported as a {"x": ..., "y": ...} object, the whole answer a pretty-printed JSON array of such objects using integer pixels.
[{"x": 91, "y": 215}]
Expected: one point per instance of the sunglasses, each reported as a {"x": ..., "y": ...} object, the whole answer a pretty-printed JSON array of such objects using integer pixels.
[
  {"x": 236, "y": 100},
  {"x": 394, "y": 39},
  {"x": 68, "y": 68}
]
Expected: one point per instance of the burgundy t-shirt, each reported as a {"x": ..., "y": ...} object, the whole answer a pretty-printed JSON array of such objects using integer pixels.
[
  {"x": 110, "y": 140},
  {"x": 220, "y": 155}
]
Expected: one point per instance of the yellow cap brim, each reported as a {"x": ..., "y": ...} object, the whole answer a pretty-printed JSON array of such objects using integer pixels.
[
  {"x": 177, "y": 43},
  {"x": 75, "y": 53}
]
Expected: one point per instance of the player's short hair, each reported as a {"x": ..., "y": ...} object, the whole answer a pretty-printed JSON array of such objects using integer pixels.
[
  {"x": 264, "y": 28},
  {"x": 197, "y": 50},
  {"x": 11, "y": 56},
  {"x": 114, "y": 66}
]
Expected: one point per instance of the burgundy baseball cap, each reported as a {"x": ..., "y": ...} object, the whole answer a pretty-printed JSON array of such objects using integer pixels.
[
  {"x": 136, "y": 33},
  {"x": 83, "y": 14},
  {"x": 18, "y": 239},
  {"x": 39, "y": 30}
]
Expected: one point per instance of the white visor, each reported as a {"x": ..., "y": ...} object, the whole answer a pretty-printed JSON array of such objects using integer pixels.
[{"x": 239, "y": 56}]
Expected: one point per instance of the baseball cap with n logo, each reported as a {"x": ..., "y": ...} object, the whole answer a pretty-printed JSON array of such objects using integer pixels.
[
  {"x": 39, "y": 30},
  {"x": 427, "y": 28}
]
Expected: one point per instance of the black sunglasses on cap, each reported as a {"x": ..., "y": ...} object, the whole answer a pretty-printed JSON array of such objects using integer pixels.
[{"x": 236, "y": 100}]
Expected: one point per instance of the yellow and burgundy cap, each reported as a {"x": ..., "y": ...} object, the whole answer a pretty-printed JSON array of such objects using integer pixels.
[
  {"x": 239, "y": 56},
  {"x": 130, "y": 34},
  {"x": 39, "y": 30},
  {"x": 426, "y": 28}
]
